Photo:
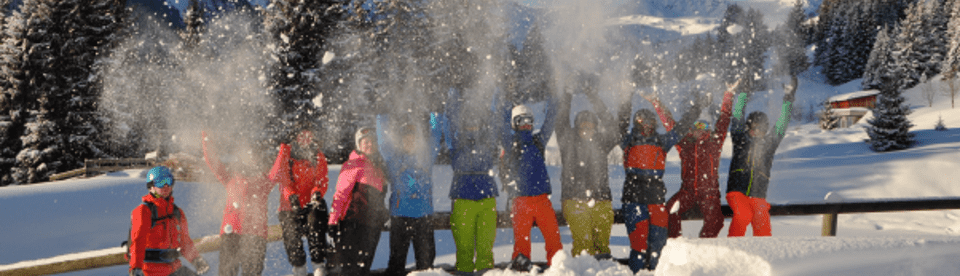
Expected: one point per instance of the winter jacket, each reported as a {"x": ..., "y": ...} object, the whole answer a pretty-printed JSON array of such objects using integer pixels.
[
  {"x": 298, "y": 177},
  {"x": 753, "y": 156},
  {"x": 585, "y": 172},
  {"x": 168, "y": 234},
  {"x": 359, "y": 170},
  {"x": 245, "y": 212},
  {"x": 473, "y": 154},
  {"x": 644, "y": 157},
  {"x": 526, "y": 167},
  {"x": 410, "y": 175},
  {"x": 700, "y": 156}
]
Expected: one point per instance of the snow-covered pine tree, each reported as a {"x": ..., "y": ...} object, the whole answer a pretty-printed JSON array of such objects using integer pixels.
[
  {"x": 889, "y": 128},
  {"x": 42, "y": 141},
  {"x": 13, "y": 103},
  {"x": 91, "y": 29},
  {"x": 919, "y": 46},
  {"x": 792, "y": 52},
  {"x": 828, "y": 120},
  {"x": 940, "y": 126},
  {"x": 193, "y": 19},
  {"x": 536, "y": 74},
  {"x": 881, "y": 61},
  {"x": 298, "y": 32},
  {"x": 743, "y": 40},
  {"x": 951, "y": 62}
]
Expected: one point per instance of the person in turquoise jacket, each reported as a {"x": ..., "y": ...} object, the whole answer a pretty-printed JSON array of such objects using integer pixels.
[
  {"x": 409, "y": 147},
  {"x": 471, "y": 137}
]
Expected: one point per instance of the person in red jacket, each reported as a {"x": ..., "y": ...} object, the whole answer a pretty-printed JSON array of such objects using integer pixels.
[
  {"x": 699, "y": 159},
  {"x": 159, "y": 233},
  {"x": 301, "y": 170},
  {"x": 243, "y": 233}
]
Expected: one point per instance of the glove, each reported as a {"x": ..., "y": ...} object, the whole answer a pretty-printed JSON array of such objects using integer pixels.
[
  {"x": 294, "y": 202},
  {"x": 136, "y": 272},
  {"x": 201, "y": 265},
  {"x": 316, "y": 198}
]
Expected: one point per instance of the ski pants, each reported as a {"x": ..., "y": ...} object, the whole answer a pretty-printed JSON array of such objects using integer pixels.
[
  {"x": 244, "y": 253},
  {"x": 590, "y": 225},
  {"x": 647, "y": 228},
  {"x": 528, "y": 210},
  {"x": 707, "y": 199},
  {"x": 355, "y": 243},
  {"x": 746, "y": 211},
  {"x": 310, "y": 222},
  {"x": 403, "y": 232},
  {"x": 474, "y": 227}
]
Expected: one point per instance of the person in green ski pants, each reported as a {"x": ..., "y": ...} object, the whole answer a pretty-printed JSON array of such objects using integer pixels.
[{"x": 471, "y": 137}]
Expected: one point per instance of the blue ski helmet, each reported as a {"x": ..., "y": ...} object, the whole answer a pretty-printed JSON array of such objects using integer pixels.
[{"x": 159, "y": 176}]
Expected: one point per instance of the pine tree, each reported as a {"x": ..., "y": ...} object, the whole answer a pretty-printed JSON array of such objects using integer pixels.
[
  {"x": 881, "y": 61},
  {"x": 920, "y": 45},
  {"x": 828, "y": 120},
  {"x": 41, "y": 86},
  {"x": 889, "y": 128},
  {"x": 193, "y": 19},
  {"x": 535, "y": 71},
  {"x": 298, "y": 31},
  {"x": 743, "y": 42},
  {"x": 13, "y": 102},
  {"x": 792, "y": 49},
  {"x": 951, "y": 62}
]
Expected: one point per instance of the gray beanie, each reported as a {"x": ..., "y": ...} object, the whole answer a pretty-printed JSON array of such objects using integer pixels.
[{"x": 364, "y": 132}]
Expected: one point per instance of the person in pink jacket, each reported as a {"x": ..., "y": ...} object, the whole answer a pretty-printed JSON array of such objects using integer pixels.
[
  {"x": 301, "y": 171},
  {"x": 358, "y": 212},
  {"x": 243, "y": 233}
]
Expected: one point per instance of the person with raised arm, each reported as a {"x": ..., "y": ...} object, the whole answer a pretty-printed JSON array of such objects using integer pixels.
[
  {"x": 301, "y": 170},
  {"x": 409, "y": 152},
  {"x": 471, "y": 137},
  {"x": 754, "y": 144},
  {"x": 243, "y": 232},
  {"x": 699, "y": 160},
  {"x": 587, "y": 200},
  {"x": 644, "y": 193},
  {"x": 526, "y": 173}
]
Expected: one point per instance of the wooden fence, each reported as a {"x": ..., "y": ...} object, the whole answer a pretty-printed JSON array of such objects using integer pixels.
[
  {"x": 98, "y": 166},
  {"x": 441, "y": 221}
]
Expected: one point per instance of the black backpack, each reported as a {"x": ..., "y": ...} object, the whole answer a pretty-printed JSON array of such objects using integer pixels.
[{"x": 153, "y": 222}]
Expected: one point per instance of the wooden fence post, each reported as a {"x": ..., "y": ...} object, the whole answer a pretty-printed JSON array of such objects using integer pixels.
[{"x": 829, "y": 225}]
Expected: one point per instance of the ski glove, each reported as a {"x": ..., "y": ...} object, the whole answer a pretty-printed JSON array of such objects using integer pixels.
[
  {"x": 201, "y": 265},
  {"x": 136, "y": 272},
  {"x": 294, "y": 202},
  {"x": 316, "y": 198}
]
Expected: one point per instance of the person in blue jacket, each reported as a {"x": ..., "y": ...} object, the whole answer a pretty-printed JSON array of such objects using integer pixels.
[
  {"x": 471, "y": 137},
  {"x": 525, "y": 171},
  {"x": 409, "y": 152}
]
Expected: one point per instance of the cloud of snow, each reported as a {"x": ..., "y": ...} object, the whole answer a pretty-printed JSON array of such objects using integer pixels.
[{"x": 160, "y": 94}]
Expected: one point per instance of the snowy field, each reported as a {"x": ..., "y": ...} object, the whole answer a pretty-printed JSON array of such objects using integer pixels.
[
  {"x": 69, "y": 219},
  {"x": 75, "y": 216}
]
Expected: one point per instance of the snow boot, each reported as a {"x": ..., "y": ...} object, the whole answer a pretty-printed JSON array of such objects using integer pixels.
[
  {"x": 300, "y": 271},
  {"x": 318, "y": 269},
  {"x": 521, "y": 263}
]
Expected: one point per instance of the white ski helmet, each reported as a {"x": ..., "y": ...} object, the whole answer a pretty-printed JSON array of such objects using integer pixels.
[{"x": 519, "y": 110}]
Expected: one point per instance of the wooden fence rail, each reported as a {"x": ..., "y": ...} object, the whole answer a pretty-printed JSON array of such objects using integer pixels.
[
  {"x": 441, "y": 221},
  {"x": 98, "y": 166}
]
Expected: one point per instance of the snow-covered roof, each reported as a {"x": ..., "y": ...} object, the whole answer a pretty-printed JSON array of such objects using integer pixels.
[{"x": 854, "y": 95}]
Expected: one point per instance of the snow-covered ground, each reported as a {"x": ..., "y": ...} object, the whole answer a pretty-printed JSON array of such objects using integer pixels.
[{"x": 75, "y": 216}]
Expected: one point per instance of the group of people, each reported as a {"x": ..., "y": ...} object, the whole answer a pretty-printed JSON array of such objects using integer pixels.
[{"x": 397, "y": 156}]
